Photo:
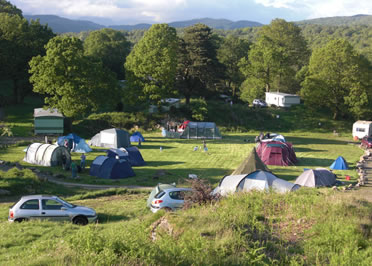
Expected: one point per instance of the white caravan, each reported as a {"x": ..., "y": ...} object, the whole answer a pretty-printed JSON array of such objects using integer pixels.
[
  {"x": 282, "y": 99},
  {"x": 362, "y": 128}
]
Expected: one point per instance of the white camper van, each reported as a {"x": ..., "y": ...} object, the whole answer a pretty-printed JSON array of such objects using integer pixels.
[
  {"x": 362, "y": 128},
  {"x": 282, "y": 99}
]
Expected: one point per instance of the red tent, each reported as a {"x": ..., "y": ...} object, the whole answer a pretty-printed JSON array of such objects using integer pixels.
[{"x": 276, "y": 153}]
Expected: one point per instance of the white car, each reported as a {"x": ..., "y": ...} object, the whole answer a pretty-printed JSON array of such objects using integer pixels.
[
  {"x": 167, "y": 197},
  {"x": 50, "y": 208},
  {"x": 259, "y": 103}
]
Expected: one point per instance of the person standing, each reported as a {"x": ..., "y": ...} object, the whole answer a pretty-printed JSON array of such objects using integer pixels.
[
  {"x": 73, "y": 169},
  {"x": 82, "y": 162}
]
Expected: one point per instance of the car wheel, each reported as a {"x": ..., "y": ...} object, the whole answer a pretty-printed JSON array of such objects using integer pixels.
[
  {"x": 80, "y": 220},
  {"x": 167, "y": 209},
  {"x": 20, "y": 220}
]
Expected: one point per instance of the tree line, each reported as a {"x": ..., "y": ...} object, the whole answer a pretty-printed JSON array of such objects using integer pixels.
[{"x": 79, "y": 74}]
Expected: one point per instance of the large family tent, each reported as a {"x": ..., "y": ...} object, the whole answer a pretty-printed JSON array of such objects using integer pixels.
[
  {"x": 110, "y": 168},
  {"x": 250, "y": 164},
  {"x": 258, "y": 180},
  {"x": 111, "y": 138},
  {"x": 201, "y": 130},
  {"x": 316, "y": 178},
  {"x": 76, "y": 143},
  {"x": 131, "y": 154},
  {"x": 339, "y": 164},
  {"x": 276, "y": 153},
  {"x": 46, "y": 154},
  {"x": 137, "y": 137}
]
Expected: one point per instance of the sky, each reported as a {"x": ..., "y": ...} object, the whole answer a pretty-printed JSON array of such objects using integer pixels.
[{"x": 130, "y": 12}]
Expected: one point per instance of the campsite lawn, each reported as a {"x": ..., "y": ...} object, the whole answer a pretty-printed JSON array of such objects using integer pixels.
[{"x": 177, "y": 159}]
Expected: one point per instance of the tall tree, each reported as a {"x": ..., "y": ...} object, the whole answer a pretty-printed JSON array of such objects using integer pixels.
[
  {"x": 72, "y": 82},
  {"x": 338, "y": 78},
  {"x": 274, "y": 59},
  {"x": 20, "y": 41},
  {"x": 151, "y": 65},
  {"x": 231, "y": 51},
  {"x": 111, "y": 47},
  {"x": 7, "y": 7},
  {"x": 198, "y": 68}
]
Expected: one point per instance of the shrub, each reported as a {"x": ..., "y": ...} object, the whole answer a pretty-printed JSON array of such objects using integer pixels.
[{"x": 201, "y": 193}]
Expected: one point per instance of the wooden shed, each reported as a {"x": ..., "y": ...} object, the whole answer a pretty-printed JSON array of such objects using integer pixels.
[{"x": 48, "y": 121}]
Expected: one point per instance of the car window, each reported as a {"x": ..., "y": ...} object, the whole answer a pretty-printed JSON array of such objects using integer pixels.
[
  {"x": 30, "y": 205},
  {"x": 49, "y": 204},
  {"x": 159, "y": 195},
  {"x": 177, "y": 195}
]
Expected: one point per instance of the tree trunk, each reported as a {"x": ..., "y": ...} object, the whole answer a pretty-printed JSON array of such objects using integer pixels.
[{"x": 15, "y": 91}]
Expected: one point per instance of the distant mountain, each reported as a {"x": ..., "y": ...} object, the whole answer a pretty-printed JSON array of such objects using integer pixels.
[
  {"x": 62, "y": 25},
  {"x": 339, "y": 21},
  {"x": 224, "y": 24}
]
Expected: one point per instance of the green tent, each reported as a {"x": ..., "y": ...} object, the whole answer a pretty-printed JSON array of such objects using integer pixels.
[
  {"x": 201, "y": 130},
  {"x": 250, "y": 164}
]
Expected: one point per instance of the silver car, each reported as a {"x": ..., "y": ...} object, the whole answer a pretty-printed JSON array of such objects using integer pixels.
[
  {"x": 50, "y": 208},
  {"x": 169, "y": 199}
]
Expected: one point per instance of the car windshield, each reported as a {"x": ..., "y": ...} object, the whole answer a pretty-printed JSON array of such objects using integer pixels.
[{"x": 66, "y": 203}]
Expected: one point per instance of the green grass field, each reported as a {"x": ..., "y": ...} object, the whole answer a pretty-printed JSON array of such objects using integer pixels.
[
  {"x": 178, "y": 159},
  {"x": 307, "y": 227}
]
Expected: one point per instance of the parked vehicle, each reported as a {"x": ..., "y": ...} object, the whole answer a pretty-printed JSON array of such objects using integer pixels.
[
  {"x": 366, "y": 142},
  {"x": 259, "y": 103},
  {"x": 280, "y": 99},
  {"x": 50, "y": 208},
  {"x": 168, "y": 198},
  {"x": 362, "y": 129}
]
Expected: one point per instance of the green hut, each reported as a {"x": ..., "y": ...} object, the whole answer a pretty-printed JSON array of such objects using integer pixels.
[{"x": 48, "y": 121}]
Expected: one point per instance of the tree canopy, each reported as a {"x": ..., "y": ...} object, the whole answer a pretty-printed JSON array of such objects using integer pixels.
[
  {"x": 20, "y": 40},
  {"x": 338, "y": 78},
  {"x": 231, "y": 51},
  {"x": 7, "y": 7},
  {"x": 151, "y": 65},
  {"x": 198, "y": 67},
  {"x": 72, "y": 82},
  {"x": 274, "y": 59},
  {"x": 111, "y": 47}
]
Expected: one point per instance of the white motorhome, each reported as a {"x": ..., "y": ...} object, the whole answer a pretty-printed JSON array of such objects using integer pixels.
[
  {"x": 362, "y": 128},
  {"x": 282, "y": 99}
]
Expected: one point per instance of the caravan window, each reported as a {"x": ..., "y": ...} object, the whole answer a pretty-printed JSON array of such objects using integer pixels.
[{"x": 358, "y": 129}]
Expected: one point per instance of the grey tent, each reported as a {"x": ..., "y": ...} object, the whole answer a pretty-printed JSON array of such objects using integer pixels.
[
  {"x": 111, "y": 138},
  {"x": 316, "y": 178},
  {"x": 201, "y": 130},
  {"x": 250, "y": 164},
  {"x": 46, "y": 154},
  {"x": 258, "y": 180}
]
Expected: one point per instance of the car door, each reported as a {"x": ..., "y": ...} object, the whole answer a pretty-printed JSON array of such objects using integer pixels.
[
  {"x": 30, "y": 209},
  {"x": 177, "y": 197},
  {"x": 54, "y": 210}
]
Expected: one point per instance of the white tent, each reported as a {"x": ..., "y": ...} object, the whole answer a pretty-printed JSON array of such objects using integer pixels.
[
  {"x": 258, "y": 180},
  {"x": 46, "y": 154}
]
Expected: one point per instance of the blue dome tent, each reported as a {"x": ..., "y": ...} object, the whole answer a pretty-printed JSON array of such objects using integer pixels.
[
  {"x": 76, "y": 143},
  {"x": 111, "y": 168},
  {"x": 131, "y": 154},
  {"x": 136, "y": 137},
  {"x": 339, "y": 164}
]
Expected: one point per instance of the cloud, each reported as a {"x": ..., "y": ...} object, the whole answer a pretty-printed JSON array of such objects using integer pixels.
[
  {"x": 322, "y": 8},
  {"x": 129, "y": 10}
]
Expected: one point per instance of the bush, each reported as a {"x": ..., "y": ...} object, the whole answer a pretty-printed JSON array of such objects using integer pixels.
[{"x": 201, "y": 193}]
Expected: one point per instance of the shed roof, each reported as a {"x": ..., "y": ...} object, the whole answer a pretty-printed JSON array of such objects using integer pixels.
[
  {"x": 282, "y": 94},
  {"x": 40, "y": 112}
]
